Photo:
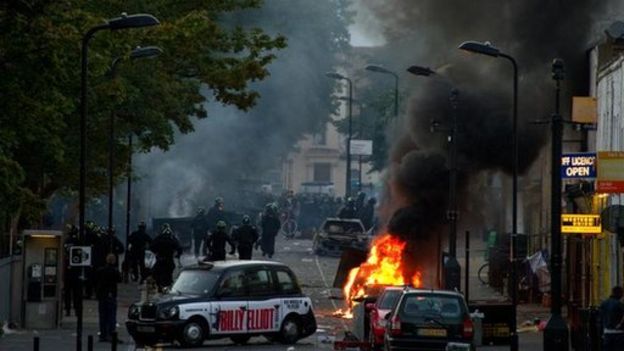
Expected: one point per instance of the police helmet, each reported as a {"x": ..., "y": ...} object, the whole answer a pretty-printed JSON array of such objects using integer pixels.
[
  {"x": 350, "y": 201},
  {"x": 219, "y": 201},
  {"x": 221, "y": 225},
  {"x": 142, "y": 225},
  {"x": 166, "y": 229},
  {"x": 246, "y": 219}
]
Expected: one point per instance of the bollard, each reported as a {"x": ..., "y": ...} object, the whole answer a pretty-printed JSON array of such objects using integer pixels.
[
  {"x": 114, "y": 341},
  {"x": 90, "y": 343},
  {"x": 36, "y": 343}
]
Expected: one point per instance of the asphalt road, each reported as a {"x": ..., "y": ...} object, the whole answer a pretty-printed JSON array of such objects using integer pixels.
[{"x": 315, "y": 274}]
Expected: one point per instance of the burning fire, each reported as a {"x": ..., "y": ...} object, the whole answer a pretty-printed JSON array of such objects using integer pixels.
[{"x": 383, "y": 266}]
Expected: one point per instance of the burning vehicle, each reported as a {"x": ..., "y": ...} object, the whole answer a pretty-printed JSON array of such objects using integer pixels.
[{"x": 338, "y": 234}]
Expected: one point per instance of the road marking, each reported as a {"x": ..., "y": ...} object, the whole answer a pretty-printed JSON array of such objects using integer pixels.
[{"x": 318, "y": 265}]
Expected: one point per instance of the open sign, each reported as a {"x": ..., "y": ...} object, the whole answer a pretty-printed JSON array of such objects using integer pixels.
[{"x": 578, "y": 166}]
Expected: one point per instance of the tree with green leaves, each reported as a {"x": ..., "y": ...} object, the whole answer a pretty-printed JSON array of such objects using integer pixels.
[{"x": 40, "y": 75}]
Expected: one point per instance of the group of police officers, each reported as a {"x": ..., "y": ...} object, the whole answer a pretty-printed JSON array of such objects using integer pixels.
[{"x": 211, "y": 233}]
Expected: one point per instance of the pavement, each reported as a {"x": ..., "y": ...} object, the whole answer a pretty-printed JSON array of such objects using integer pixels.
[{"x": 316, "y": 276}]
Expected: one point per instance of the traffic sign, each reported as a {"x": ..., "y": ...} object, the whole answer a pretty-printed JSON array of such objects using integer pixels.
[{"x": 80, "y": 256}]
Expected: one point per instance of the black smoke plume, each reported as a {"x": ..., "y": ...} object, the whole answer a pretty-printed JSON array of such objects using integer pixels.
[{"x": 427, "y": 33}]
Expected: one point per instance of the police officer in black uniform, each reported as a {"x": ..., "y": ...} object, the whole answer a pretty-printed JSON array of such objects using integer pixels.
[
  {"x": 199, "y": 226},
  {"x": 215, "y": 243},
  {"x": 215, "y": 214},
  {"x": 92, "y": 238},
  {"x": 111, "y": 244},
  {"x": 165, "y": 246},
  {"x": 71, "y": 283},
  {"x": 245, "y": 237},
  {"x": 138, "y": 241},
  {"x": 270, "y": 226},
  {"x": 108, "y": 278},
  {"x": 348, "y": 211}
]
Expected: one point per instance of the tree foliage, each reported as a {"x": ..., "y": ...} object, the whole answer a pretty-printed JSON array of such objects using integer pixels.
[{"x": 40, "y": 77}]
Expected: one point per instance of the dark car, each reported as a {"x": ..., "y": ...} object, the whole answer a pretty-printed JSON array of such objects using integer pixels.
[
  {"x": 337, "y": 234},
  {"x": 225, "y": 299},
  {"x": 429, "y": 320}
]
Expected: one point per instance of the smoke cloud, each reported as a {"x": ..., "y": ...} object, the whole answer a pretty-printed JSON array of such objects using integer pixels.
[
  {"x": 233, "y": 153},
  {"x": 427, "y": 33}
]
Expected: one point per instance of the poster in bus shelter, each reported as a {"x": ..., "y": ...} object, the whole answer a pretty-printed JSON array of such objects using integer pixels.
[{"x": 610, "y": 177}]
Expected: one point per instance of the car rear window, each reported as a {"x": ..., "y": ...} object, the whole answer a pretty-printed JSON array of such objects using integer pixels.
[
  {"x": 389, "y": 299},
  {"x": 422, "y": 307}
]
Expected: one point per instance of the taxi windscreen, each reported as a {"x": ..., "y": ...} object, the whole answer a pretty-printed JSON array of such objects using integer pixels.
[{"x": 195, "y": 282}]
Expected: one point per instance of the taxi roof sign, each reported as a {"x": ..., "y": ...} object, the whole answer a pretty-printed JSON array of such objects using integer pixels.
[{"x": 581, "y": 223}]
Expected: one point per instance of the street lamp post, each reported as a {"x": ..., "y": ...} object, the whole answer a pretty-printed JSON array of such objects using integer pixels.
[
  {"x": 452, "y": 269},
  {"x": 338, "y": 76},
  {"x": 489, "y": 50},
  {"x": 360, "y": 135},
  {"x": 123, "y": 22},
  {"x": 137, "y": 53},
  {"x": 556, "y": 331}
]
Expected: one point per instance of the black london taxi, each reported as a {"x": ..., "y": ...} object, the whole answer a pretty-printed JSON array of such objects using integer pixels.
[{"x": 225, "y": 299}]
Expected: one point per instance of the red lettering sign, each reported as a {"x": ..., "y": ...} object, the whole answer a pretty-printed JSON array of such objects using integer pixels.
[{"x": 260, "y": 319}]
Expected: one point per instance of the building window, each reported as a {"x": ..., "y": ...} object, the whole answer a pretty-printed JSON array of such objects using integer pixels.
[
  {"x": 320, "y": 138},
  {"x": 322, "y": 172}
]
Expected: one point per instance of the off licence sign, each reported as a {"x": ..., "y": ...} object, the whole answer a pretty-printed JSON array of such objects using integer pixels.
[
  {"x": 578, "y": 166},
  {"x": 581, "y": 224}
]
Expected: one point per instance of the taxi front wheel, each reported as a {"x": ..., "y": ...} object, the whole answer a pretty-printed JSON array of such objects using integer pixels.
[
  {"x": 192, "y": 333},
  {"x": 291, "y": 330}
]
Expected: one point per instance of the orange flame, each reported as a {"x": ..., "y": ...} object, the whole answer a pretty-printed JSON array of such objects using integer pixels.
[{"x": 383, "y": 266}]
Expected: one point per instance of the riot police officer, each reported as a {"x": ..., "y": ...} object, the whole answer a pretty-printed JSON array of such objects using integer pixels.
[
  {"x": 215, "y": 214},
  {"x": 92, "y": 238},
  {"x": 245, "y": 237},
  {"x": 348, "y": 211},
  {"x": 165, "y": 246},
  {"x": 215, "y": 243},
  {"x": 138, "y": 241},
  {"x": 270, "y": 226},
  {"x": 71, "y": 283},
  {"x": 199, "y": 226},
  {"x": 110, "y": 244}
]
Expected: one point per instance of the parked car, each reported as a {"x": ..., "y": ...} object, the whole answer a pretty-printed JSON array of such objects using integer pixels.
[
  {"x": 429, "y": 320},
  {"x": 336, "y": 234},
  {"x": 225, "y": 299},
  {"x": 377, "y": 312}
]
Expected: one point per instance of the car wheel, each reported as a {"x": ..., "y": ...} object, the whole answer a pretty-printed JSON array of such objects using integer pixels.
[
  {"x": 290, "y": 331},
  {"x": 192, "y": 333},
  {"x": 240, "y": 339}
]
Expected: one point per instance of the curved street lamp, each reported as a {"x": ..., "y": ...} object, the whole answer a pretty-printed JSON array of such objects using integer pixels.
[
  {"x": 338, "y": 76},
  {"x": 452, "y": 269},
  {"x": 380, "y": 69},
  {"x": 487, "y": 49},
  {"x": 122, "y": 22},
  {"x": 137, "y": 53}
]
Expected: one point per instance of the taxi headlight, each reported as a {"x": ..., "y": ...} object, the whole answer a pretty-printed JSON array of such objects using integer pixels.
[
  {"x": 133, "y": 312},
  {"x": 169, "y": 313}
]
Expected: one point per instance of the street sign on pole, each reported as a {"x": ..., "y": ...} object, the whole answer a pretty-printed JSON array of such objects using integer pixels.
[
  {"x": 581, "y": 223},
  {"x": 80, "y": 256},
  {"x": 361, "y": 147}
]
